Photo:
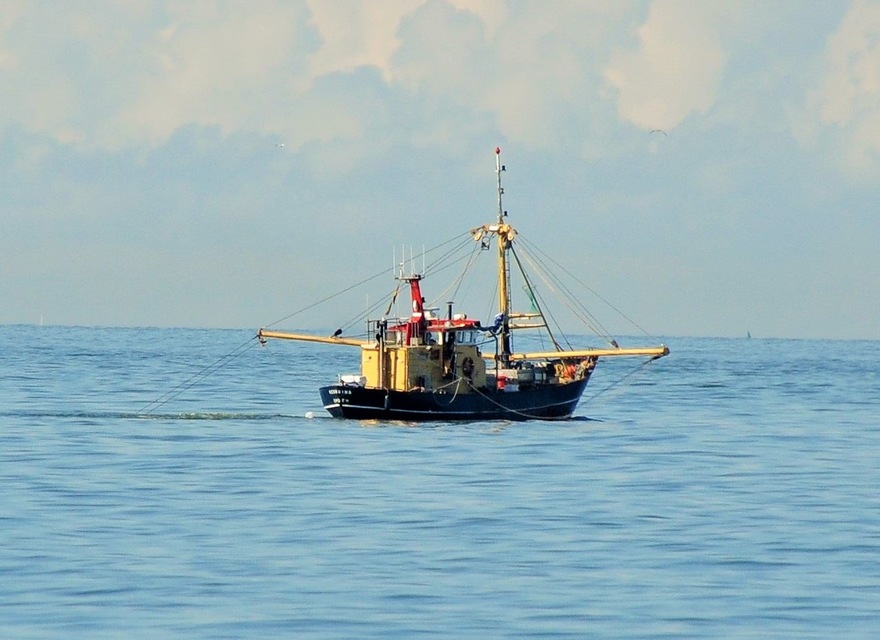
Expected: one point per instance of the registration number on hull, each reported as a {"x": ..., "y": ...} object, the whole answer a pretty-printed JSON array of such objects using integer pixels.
[{"x": 340, "y": 396}]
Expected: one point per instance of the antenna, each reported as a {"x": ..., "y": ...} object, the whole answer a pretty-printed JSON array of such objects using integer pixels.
[{"x": 498, "y": 169}]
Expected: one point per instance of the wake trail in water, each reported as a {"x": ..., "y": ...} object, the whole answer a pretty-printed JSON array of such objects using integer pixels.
[{"x": 115, "y": 415}]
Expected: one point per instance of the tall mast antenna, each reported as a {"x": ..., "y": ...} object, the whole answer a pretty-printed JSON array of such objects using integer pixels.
[{"x": 498, "y": 169}]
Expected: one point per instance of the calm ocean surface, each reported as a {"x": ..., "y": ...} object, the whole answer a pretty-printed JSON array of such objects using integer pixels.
[{"x": 731, "y": 490}]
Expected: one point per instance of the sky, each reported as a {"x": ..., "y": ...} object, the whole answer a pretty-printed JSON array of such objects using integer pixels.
[{"x": 712, "y": 168}]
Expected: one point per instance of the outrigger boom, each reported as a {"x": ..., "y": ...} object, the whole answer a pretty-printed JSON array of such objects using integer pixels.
[
  {"x": 654, "y": 352},
  {"x": 262, "y": 334}
]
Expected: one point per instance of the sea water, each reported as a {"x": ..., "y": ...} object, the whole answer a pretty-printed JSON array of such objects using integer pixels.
[{"x": 159, "y": 483}]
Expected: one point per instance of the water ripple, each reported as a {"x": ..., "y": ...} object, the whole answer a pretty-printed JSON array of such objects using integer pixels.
[{"x": 731, "y": 495}]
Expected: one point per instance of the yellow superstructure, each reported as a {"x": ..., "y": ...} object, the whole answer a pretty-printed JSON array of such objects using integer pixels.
[{"x": 421, "y": 367}]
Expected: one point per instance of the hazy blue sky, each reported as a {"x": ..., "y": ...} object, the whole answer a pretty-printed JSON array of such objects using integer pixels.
[{"x": 143, "y": 181}]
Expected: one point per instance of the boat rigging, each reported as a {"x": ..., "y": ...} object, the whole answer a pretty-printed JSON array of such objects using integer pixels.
[{"x": 426, "y": 366}]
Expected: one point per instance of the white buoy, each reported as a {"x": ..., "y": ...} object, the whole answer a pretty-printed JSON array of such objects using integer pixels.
[{"x": 310, "y": 415}]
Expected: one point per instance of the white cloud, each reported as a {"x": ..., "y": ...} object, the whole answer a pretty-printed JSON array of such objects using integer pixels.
[
  {"x": 849, "y": 98},
  {"x": 67, "y": 68},
  {"x": 356, "y": 34},
  {"x": 140, "y": 72},
  {"x": 443, "y": 54},
  {"x": 372, "y": 72},
  {"x": 535, "y": 72},
  {"x": 676, "y": 69},
  {"x": 8, "y": 17},
  {"x": 237, "y": 68},
  {"x": 545, "y": 73},
  {"x": 492, "y": 13}
]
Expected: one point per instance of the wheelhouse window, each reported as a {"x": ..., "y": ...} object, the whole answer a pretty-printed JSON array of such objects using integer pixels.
[
  {"x": 467, "y": 337},
  {"x": 394, "y": 337}
]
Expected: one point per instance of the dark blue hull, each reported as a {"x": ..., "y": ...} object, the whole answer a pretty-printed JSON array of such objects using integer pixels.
[{"x": 545, "y": 402}]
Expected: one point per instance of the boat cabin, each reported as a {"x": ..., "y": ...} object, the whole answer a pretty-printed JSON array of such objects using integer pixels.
[{"x": 424, "y": 352}]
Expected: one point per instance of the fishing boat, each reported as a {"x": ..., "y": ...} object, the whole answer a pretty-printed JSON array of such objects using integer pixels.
[{"x": 432, "y": 363}]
